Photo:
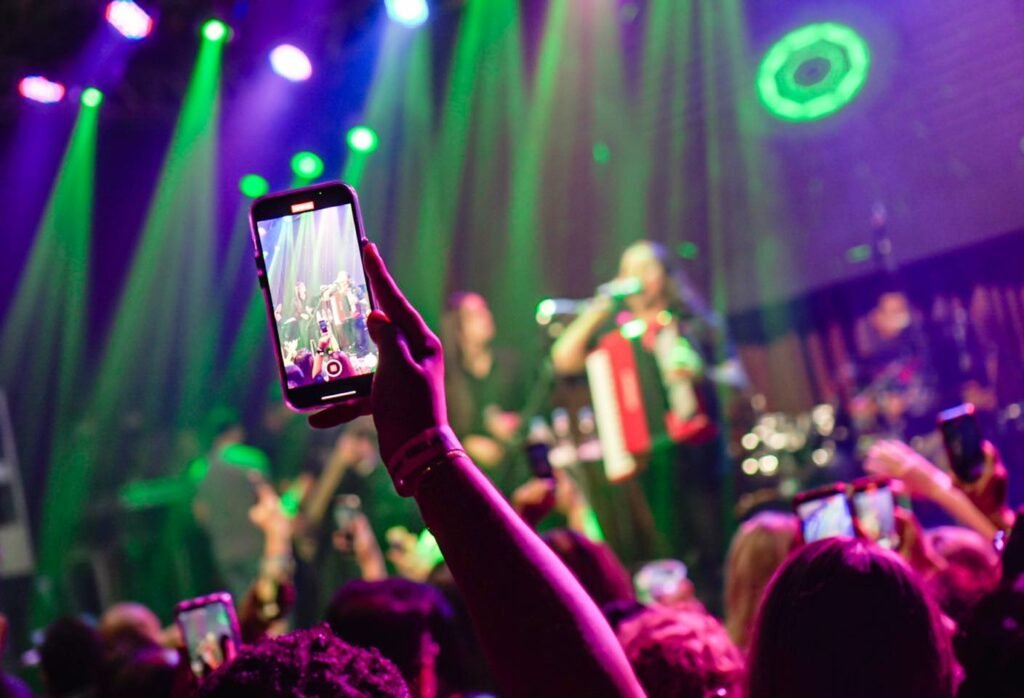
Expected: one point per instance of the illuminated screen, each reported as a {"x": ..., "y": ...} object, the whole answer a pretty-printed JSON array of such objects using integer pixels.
[
  {"x": 319, "y": 294},
  {"x": 208, "y": 630},
  {"x": 876, "y": 515},
  {"x": 825, "y": 518}
]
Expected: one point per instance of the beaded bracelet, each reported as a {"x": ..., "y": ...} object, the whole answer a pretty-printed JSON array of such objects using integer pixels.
[{"x": 412, "y": 460}]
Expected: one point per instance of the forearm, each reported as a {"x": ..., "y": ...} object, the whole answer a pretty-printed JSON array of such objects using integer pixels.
[
  {"x": 569, "y": 353},
  {"x": 960, "y": 507},
  {"x": 541, "y": 632}
]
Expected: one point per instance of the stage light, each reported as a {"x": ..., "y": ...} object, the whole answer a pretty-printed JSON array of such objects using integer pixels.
[
  {"x": 39, "y": 89},
  {"x": 129, "y": 19},
  {"x": 307, "y": 165},
  {"x": 813, "y": 71},
  {"x": 291, "y": 63},
  {"x": 253, "y": 186},
  {"x": 362, "y": 139},
  {"x": 215, "y": 30},
  {"x": 411, "y": 13},
  {"x": 602, "y": 153},
  {"x": 91, "y": 97}
]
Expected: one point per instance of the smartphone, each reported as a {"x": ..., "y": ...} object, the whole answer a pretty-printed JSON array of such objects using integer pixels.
[
  {"x": 346, "y": 508},
  {"x": 824, "y": 513},
  {"x": 875, "y": 509},
  {"x": 308, "y": 239},
  {"x": 962, "y": 437},
  {"x": 210, "y": 631},
  {"x": 540, "y": 463}
]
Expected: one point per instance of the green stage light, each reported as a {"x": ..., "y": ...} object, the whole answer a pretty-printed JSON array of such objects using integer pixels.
[
  {"x": 215, "y": 30},
  {"x": 362, "y": 139},
  {"x": 253, "y": 186},
  {"x": 91, "y": 97},
  {"x": 602, "y": 153},
  {"x": 307, "y": 165},
  {"x": 688, "y": 250},
  {"x": 813, "y": 71}
]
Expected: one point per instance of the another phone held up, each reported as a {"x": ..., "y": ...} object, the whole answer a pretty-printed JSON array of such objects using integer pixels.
[
  {"x": 309, "y": 262},
  {"x": 864, "y": 509},
  {"x": 346, "y": 508},
  {"x": 210, "y": 631},
  {"x": 824, "y": 513},
  {"x": 964, "y": 443}
]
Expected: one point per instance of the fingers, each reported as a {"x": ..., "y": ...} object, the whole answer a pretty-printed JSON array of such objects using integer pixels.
[
  {"x": 391, "y": 299},
  {"x": 385, "y": 334},
  {"x": 340, "y": 414}
]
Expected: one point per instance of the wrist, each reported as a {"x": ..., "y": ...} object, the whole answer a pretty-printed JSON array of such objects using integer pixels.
[{"x": 413, "y": 459}]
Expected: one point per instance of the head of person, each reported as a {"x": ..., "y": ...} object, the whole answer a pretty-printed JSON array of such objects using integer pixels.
[
  {"x": 147, "y": 671},
  {"x": 595, "y": 566},
  {"x": 343, "y": 279},
  {"x": 356, "y": 445},
  {"x": 681, "y": 653},
  {"x": 300, "y": 290},
  {"x": 845, "y": 618},
  {"x": 468, "y": 321},
  {"x": 127, "y": 627},
  {"x": 312, "y": 663},
  {"x": 303, "y": 360},
  {"x": 411, "y": 624},
  {"x": 891, "y": 314},
  {"x": 664, "y": 286},
  {"x": 972, "y": 569},
  {"x": 990, "y": 645},
  {"x": 757, "y": 550},
  {"x": 70, "y": 657}
]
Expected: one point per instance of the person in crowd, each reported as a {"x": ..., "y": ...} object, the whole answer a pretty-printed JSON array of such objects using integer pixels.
[
  {"x": 536, "y": 498},
  {"x": 70, "y": 658},
  {"x": 675, "y": 349},
  {"x": 226, "y": 480},
  {"x": 595, "y": 565},
  {"x": 969, "y": 569},
  {"x": 411, "y": 625},
  {"x": 681, "y": 653},
  {"x": 758, "y": 548},
  {"x": 540, "y": 631},
  {"x": 147, "y": 671},
  {"x": 482, "y": 383},
  {"x": 312, "y": 663},
  {"x": 126, "y": 627},
  {"x": 990, "y": 644},
  {"x": 845, "y": 618}
]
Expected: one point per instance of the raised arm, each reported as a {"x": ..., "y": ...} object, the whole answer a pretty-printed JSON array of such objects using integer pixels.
[
  {"x": 542, "y": 634},
  {"x": 569, "y": 353}
]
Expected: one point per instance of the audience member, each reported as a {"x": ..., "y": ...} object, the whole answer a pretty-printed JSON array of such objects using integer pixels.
[
  {"x": 127, "y": 627},
  {"x": 306, "y": 664},
  {"x": 595, "y": 565},
  {"x": 70, "y": 658},
  {"x": 846, "y": 619},
  {"x": 990, "y": 645},
  {"x": 757, "y": 550},
  {"x": 148, "y": 671},
  {"x": 411, "y": 624},
  {"x": 970, "y": 569},
  {"x": 681, "y": 653}
]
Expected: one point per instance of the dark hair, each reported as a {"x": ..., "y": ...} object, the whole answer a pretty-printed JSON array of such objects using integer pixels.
[
  {"x": 972, "y": 570},
  {"x": 681, "y": 653},
  {"x": 990, "y": 645},
  {"x": 303, "y": 359},
  {"x": 394, "y": 616},
  {"x": 306, "y": 664},
  {"x": 845, "y": 618},
  {"x": 70, "y": 656},
  {"x": 594, "y": 565},
  {"x": 146, "y": 672}
]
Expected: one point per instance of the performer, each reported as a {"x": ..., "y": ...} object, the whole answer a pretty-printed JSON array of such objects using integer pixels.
[
  {"x": 673, "y": 337},
  {"x": 302, "y": 317},
  {"x": 348, "y": 306},
  {"x": 482, "y": 384}
]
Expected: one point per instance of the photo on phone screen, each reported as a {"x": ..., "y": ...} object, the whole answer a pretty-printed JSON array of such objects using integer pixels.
[
  {"x": 209, "y": 630},
  {"x": 876, "y": 515},
  {"x": 309, "y": 247},
  {"x": 961, "y": 435},
  {"x": 825, "y": 517}
]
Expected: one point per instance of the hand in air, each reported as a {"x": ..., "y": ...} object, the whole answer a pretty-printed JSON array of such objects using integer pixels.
[
  {"x": 407, "y": 396},
  {"x": 897, "y": 460},
  {"x": 990, "y": 491}
]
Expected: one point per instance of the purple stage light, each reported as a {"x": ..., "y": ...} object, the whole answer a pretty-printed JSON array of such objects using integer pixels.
[
  {"x": 291, "y": 63},
  {"x": 129, "y": 19},
  {"x": 39, "y": 89}
]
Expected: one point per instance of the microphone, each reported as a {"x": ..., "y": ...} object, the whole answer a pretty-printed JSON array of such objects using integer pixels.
[{"x": 620, "y": 288}]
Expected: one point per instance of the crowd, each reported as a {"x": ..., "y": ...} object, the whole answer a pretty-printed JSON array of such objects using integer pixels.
[{"x": 501, "y": 610}]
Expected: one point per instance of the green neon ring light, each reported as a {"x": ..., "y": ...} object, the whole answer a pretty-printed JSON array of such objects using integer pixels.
[{"x": 777, "y": 83}]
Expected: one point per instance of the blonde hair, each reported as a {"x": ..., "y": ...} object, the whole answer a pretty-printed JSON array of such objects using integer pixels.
[{"x": 757, "y": 550}]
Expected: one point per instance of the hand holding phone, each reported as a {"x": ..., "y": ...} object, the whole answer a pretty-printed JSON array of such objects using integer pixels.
[
  {"x": 210, "y": 631},
  {"x": 825, "y": 513},
  {"x": 961, "y": 435}
]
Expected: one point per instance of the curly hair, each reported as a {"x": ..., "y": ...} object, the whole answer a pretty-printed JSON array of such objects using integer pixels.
[
  {"x": 681, "y": 653},
  {"x": 310, "y": 663}
]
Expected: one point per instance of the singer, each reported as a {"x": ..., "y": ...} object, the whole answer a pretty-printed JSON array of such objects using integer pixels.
[{"x": 653, "y": 306}]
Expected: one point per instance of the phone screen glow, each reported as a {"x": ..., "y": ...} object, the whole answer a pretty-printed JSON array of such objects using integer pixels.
[{"x": 826, "y": 517}]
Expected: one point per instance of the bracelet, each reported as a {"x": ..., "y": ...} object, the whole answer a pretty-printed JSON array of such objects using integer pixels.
[{"x": 410, "y": 462}]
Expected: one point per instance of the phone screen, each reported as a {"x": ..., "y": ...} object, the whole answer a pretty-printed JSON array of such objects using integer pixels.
[
  {"x": 962, "y": 437},
  {"x": 208, "y": 630},
  {"x": 825, "y": 517},
  {"x": 318, "y": 291},
  {"x": 876, "y": 515}
]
